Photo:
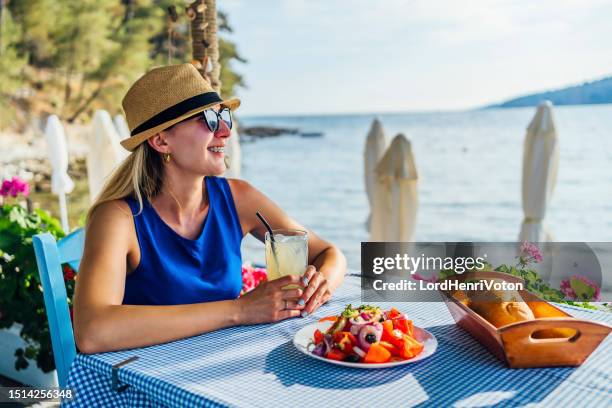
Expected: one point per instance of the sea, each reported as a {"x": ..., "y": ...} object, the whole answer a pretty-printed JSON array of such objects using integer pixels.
[{"x": 469, "y": 165}]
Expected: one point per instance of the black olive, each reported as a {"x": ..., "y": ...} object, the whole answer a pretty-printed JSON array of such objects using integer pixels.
[
  {"x": 352, "y": 358},
  {"x": 370, "y": 338}
]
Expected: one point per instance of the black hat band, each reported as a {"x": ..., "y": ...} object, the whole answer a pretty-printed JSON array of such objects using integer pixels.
[{"x": 177, "y": 110}]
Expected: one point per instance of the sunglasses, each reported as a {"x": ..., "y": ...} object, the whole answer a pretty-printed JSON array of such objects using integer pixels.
[{"x": 211, "y": 117}]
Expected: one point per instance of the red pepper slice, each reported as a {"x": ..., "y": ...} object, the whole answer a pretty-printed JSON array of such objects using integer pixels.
[
  {"x": 318, "y": 336},
  {"x": 404, "y": 325},
  {"x": 410, "y": 347},
  {"x": 393, "y": 313},
  {"x": 387, "y": 333},
  {"x": 335, "y": 354},
  {"x": 395, "y": 351}
]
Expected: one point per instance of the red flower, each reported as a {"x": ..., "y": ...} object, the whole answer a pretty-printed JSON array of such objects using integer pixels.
[
  {"x": 251, "y": 277},
  {"x": 69, "y": 274}
]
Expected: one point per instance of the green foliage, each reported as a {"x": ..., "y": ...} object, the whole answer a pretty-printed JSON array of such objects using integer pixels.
[
  {"x": 74, "y": 57},
  {"x": 37, "y": 21},
  {"x": 21, "y": 298},
  {"x": 84, "y": 54},
  {"x": 533, "y": 283},
  {"x": 582, "y": 290},
  {"x": 12, "y": 62}
]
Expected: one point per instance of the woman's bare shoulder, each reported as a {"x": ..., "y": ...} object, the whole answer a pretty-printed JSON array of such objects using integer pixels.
[
  {"x": 247, "y": 200},
  {"x": 110, "y": 229},
  {"x": 242, "y": 190},
  {"x": 114, "y": 215}
]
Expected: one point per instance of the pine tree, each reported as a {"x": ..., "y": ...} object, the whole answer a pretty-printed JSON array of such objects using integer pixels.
[
  {"x": 12, "y": 63},
  {"x": 37, "y": 20},
  {"x": 71, "y": 57}
]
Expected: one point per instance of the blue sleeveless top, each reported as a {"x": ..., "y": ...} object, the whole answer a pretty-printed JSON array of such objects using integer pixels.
[{"x": 175, "y": 270}]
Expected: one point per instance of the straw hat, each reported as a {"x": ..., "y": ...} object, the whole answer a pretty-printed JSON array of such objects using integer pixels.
[{"x": 165, "y": 96}]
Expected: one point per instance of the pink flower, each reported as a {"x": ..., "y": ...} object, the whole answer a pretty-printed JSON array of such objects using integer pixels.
[
  {"x": 531, "y": 252},
  {"x": 14, "y": 187},
  {"x": 252, "y": 277},
  {"x": 567, "y": 290},
  {"x": 580, "y": 288},
  {"x": 5, "y": 189}
]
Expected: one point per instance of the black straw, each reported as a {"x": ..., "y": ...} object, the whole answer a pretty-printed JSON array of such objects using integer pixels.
[{"x": 263, "y": 220}]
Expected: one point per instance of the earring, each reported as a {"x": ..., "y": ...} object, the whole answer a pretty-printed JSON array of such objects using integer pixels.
[{"x": 166, "y": 157}]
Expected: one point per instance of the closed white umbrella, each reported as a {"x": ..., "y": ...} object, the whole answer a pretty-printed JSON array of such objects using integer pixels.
[
  {"x": 233, "y": 155},
  {"x": 395, "y": 203},
  {"x": 540, "y": 165},
  {"x": 375, "y": 145},
  {"x": 105, "y": 152},
  {"x": 121, "y": 126},
  {"x": 61, "y": 183}
]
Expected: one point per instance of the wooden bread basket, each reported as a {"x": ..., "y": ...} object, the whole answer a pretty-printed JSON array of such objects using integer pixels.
[{"x": 514, "y": 343}]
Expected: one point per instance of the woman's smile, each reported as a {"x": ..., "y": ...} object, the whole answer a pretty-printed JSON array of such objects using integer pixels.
[{"x": 217, "y": 150}]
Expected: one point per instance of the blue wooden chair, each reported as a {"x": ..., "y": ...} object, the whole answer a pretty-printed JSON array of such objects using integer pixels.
[{"x": 50, "y": 255}]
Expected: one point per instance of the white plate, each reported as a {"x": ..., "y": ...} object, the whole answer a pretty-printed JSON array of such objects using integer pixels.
[{"x": 303, "y": 341}]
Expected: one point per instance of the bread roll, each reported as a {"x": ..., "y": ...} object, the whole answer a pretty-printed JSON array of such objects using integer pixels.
[
  {"x": 500, "y": 308},
  {"x": 500, "y": 314}
]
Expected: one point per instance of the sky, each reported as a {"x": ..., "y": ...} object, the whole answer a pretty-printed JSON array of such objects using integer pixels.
[{"x": 366, "y": 56}]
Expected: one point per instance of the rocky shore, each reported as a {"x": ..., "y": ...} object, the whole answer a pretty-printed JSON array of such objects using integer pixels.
[{"x": 267, "y": 131}]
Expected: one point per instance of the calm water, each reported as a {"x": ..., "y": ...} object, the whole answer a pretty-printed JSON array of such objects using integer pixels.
[{"x": 469, "y": 166}]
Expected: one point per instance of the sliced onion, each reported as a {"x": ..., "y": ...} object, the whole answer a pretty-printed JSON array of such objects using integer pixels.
[
  {"x": 355, "y": 329},
  {"x": 365, "y": 330},
  {"x": 359, "y": 352},
  {"x": 320, "y": 349},
  {"x": 327, "y": 339}
]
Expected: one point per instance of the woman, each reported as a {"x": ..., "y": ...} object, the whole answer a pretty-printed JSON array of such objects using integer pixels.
[{"x": 162, "y": 253}]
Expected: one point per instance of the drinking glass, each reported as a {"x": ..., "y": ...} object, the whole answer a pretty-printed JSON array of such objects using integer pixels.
[{"x": 287, "y": 254}]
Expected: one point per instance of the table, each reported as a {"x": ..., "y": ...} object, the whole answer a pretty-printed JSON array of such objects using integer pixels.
[{"x": 258, "y": 366}]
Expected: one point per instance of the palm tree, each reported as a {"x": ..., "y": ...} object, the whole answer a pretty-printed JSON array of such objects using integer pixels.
[{"x": 205, "y": 46}]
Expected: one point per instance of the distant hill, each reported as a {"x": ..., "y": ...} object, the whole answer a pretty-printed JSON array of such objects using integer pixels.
[{"x": 595, "y": 92}]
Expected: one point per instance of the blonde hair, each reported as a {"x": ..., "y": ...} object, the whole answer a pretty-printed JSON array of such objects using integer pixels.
[{"x": 139, "y": 176}]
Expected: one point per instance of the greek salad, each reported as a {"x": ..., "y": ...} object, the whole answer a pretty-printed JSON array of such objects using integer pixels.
[{"x": 367, "y": 334}]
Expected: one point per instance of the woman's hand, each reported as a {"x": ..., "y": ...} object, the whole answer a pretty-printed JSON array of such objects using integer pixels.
[
  {"x": 316, "y": 290},
  {"x": 268, "y": 302}
]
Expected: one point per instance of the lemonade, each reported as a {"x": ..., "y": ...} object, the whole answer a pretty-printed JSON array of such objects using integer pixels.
[{"x": 287, "y": 255}]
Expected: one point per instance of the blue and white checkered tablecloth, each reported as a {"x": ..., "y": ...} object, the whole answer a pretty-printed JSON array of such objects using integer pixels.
[{"x": 258, "y": 366}]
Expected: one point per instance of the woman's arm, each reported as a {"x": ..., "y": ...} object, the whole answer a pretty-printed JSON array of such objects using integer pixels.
[
  {"x": 102, "y": 323},
  {"x": 329, "y": 264}
]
